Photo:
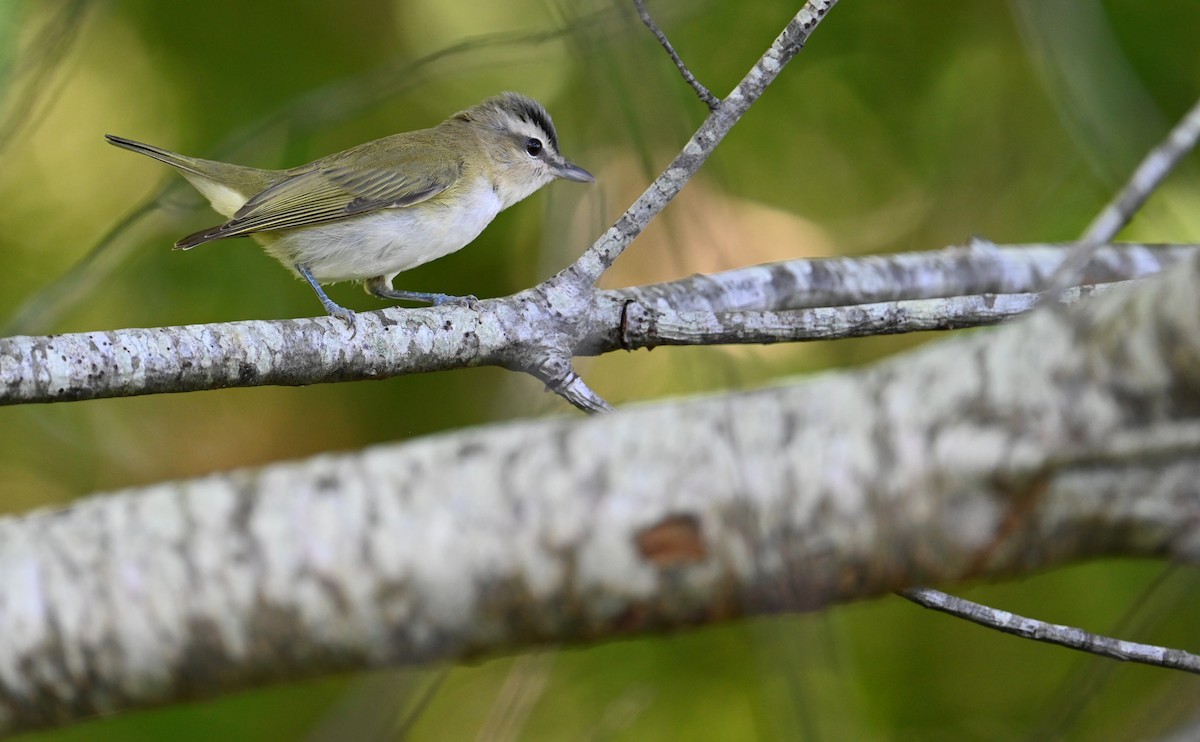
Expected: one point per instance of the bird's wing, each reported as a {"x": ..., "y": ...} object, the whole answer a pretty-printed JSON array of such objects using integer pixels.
[{"x": 329, "y": 192}]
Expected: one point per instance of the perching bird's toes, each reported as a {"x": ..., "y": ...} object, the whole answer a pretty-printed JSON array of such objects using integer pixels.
[{"x": 469, "y": 301}]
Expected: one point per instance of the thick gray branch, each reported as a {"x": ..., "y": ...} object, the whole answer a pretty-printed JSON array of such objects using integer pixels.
[
  {"x": 385, "y": 343},
  {"x": 1059, "y": 437}
]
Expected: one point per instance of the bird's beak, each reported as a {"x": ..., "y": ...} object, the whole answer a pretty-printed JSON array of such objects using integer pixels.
[{"x": 571, "y": 171}]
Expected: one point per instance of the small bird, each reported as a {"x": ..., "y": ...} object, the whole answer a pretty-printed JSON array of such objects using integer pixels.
[{"x": 375, "y": 210}]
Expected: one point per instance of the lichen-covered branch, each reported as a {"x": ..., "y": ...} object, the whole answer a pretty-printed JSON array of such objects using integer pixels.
[
  {"x": 1062, "y": 436},
  {"x": 537, "y": 331},
  {"x": 979, "y": 267},
  {"x": 287, "y": 352},
  {"x": 646, "y": 327}
]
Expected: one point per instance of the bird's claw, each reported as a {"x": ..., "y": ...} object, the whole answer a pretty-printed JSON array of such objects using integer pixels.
[{"x": 349, "y": 316}]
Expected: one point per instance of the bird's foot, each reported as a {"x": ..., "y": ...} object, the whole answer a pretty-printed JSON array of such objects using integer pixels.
[{"x": 346, "y": 315}]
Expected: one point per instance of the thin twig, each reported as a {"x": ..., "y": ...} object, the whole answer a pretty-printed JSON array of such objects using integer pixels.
[
  {"x": 1064, "y": 636},
  {"x": 577, "y": 392},
  {"x": 601, "y": 255},
  {"x": 1153, "y": 169},
  {"x": 704, "y": 93},
  {"x": 1079, "y": 689}
]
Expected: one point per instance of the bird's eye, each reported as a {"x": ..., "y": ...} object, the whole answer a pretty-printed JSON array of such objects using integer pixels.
[{"x": 533, "y": 146}]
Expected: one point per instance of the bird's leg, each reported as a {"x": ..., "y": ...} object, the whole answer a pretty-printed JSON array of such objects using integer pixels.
[
  {"x": 381, "y": 286},
  {"x": 335, "y": 310}
]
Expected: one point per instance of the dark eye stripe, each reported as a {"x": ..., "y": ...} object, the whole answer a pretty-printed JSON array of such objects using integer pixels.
[{"x": 532, "y": 112}]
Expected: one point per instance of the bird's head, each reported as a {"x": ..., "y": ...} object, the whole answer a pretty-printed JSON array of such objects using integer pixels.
[{"x": 520, "y": 145}]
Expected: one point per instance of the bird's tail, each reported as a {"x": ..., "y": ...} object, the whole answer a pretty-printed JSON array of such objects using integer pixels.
[
  {"x": 227, "y": 187},
  {"x": 182, "y": 162}
]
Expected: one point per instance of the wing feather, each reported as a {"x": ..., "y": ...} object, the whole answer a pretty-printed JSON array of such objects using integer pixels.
[{"x": 330, "y": 189}]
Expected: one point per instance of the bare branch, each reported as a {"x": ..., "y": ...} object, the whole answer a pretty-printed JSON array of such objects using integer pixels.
[
  {"x": 600, "y": 256},
  {"x": 286, "y": 352},
  {"x": 540, "y": 328},
  {"x": 1157, "y": 600},
  {"x": 559, "y": 376},
  {"x": 1153, "y": 169},
  {"x": 1080, "y": 424},
  {"x": 704, "y": 94},
  {"x": 1063, "y": 636},
  {"x": 645, "y": 327},
  {"x": 980, "y": 267}
]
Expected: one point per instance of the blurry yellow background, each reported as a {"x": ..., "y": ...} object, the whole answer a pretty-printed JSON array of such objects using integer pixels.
[{"x": 903, "y": 126}]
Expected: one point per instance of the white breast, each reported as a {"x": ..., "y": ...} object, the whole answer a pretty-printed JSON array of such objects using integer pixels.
[{"x": 388, "y": 241}]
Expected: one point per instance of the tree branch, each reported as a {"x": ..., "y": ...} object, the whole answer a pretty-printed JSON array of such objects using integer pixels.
[
  {"x": 979, "y": 267},
  {"x": 1153, "y": 169},
  {"x": 539, "y": 330},
  {"x": 1063, "y": 636},
  {"x": 560, "y": 378},
  {"x": 953, "y": 462},
  {"x": 702, "y": 92},
  {"x": 500, "y": 334},
  {"x": 601, "y": 255},
  {"x": 644, "y": 327}
]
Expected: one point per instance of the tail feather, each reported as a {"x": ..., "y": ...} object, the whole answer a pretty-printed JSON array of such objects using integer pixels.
[
  {"x": 226, "y": 186},
  {"x": 158, "y": 153}
]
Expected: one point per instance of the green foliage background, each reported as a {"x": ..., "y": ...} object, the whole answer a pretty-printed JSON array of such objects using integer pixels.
[{"x": 904, "y": 125}]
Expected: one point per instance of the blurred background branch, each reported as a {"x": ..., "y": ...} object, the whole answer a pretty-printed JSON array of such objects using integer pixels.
[{"x": 31, "y": 74}]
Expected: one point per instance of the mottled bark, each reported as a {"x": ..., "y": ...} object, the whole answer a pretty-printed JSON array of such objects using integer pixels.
[{"x": 539, "y": 330}]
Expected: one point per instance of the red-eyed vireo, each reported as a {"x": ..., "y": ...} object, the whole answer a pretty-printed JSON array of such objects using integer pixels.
[{"x": 380, "y": 208}]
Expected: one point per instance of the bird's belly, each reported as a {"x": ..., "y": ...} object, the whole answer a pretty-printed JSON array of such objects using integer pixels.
[{"x": 387, "y": 241}]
